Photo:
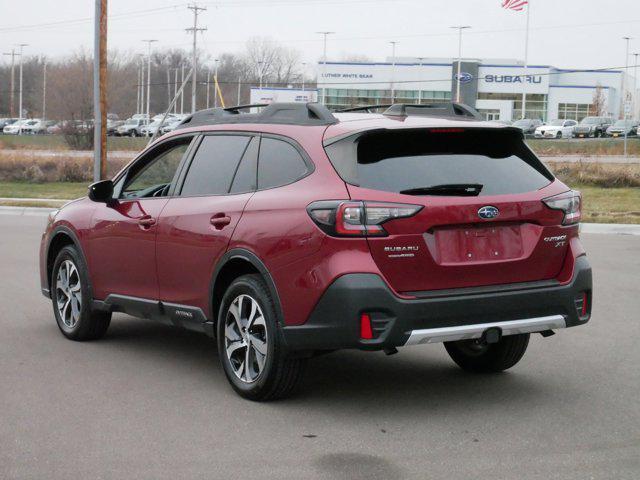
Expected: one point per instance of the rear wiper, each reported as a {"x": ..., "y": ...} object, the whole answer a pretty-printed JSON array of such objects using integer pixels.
[{"x": 454, "y": 189}]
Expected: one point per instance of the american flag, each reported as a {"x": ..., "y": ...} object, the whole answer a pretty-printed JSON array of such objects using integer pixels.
[{"x": 517, "y": 5}]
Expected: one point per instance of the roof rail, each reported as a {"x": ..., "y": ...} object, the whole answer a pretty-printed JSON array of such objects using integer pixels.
[
  {"x": 449, "y": 109},
  {"x": 280, "y": 113},
  {"x": 365, "y": 108}
]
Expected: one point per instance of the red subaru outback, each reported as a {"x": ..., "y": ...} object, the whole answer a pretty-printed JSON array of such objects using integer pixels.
[{"x": 293, "y": 231}]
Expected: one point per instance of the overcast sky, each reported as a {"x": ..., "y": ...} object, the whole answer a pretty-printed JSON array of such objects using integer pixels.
[{"x": 564, "y": 33}]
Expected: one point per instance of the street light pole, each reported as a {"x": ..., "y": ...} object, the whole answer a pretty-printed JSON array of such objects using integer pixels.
[
  {"x": 324, "y": 65},
  {"x": 149, "y": 42},
  {"x": 459, "y": 28},
  {"x": 44, "y": 91},
  {"x": 304, "y": 67},
  {"x": 625, "y": 93},
  {"x": 22, "y": 45},
  {"x": 635, "y": 83},
  {"x": 420, "y": 60},
  {"x": 393, "y": 71},
  {"x": 207, "y": 84},
  {"x": 215, "y": 83}
]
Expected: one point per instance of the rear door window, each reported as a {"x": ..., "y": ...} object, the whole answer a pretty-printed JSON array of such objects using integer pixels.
[
  {"x": 440, "y": 162},
  {"x": 279, "y": 164},
  {"x": 214, "y": 165}
]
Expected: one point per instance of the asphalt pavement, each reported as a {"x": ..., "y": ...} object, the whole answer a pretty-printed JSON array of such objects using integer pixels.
[{"x": 151, "y": 402}]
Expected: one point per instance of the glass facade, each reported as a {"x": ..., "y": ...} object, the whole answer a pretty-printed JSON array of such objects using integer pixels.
[
  {"x": 536, "y": 104},
  {"x": 574, "y": 111},
  {"x": 338, "y": 98}
]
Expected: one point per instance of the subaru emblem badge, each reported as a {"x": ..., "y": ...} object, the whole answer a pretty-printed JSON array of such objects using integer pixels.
[{"x": 488, "y": 212}]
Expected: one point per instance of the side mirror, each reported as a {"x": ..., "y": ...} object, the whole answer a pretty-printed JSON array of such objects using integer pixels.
[{"x": 101, "y": 191}]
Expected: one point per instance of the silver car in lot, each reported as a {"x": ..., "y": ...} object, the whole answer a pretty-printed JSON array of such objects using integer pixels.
[
  {"x": 132, "y": 127},
  {"x": 622, "y": 127}
]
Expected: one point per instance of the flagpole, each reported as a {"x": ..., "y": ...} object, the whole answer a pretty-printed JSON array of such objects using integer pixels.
[{"x": 526, "y": 61}]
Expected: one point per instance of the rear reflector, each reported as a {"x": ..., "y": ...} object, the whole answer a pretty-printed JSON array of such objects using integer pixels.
[
  {"x": 582, "y": 304},
  {"x": 366, "y": 333}
]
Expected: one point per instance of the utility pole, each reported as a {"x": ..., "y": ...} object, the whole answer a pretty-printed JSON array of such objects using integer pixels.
[
  {"x": 44, "y": 91},
  {"x": 194, "y": 30},
  {"x": 239, "y": 85},
  {"x": 459, "y": 28},
  {"x": 149, "y": 42},
  {"x": 625, "y": 87},
  {"x": 215, "y": 83},
  {"x": 393, "y": 70},
  {"x": 13, "y": 88},
  {"x": 22, "y": 45},
  {"x": 100, "y": 91},
  {"x": 324, "y": 64},
  {"x": 260, "y": 73}
]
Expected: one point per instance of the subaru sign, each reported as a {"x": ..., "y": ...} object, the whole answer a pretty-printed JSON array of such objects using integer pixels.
[{"x": 463, "y": 77}]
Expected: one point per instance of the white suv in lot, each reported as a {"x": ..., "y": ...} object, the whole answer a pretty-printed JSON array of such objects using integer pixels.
[{"x": 556, "y": 129}]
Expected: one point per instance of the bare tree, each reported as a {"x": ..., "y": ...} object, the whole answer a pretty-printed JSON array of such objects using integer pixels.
[{"x": 598, "y": 106}]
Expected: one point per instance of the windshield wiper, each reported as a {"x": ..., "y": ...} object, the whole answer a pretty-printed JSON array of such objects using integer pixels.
[{"x": 454, "y": 189}]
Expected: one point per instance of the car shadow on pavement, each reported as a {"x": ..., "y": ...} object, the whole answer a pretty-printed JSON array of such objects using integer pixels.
[{"x": 415, "y": 379}]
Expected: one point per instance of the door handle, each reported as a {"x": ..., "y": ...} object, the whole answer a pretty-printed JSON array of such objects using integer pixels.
[
  {"x": 146, "y": 221},
  {"x": 220, "y": 220}
]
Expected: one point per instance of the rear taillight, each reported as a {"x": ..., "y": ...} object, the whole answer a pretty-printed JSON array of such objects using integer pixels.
[
  {"x": 358, "y": 219},
  {"x": 570, "y": 203}
]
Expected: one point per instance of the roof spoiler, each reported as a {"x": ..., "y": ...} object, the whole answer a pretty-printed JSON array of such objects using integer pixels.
[{"x": 280, "y": 113}]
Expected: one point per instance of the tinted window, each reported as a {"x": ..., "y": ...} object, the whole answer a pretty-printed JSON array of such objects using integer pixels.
[
  {"x": 498, "y": 161},
  {"x": 279, "y": 164},
  {"x": 214, "y": 165},
  {"x": 156, "y": 175},
  {"x": 246, "y": 178}
]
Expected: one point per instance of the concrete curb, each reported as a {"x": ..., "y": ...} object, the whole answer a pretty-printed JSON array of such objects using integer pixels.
[
  {"x": 26, "y": 211},
  {"x": 610, "y": 228},
  {"x": 601, "y": 228}
]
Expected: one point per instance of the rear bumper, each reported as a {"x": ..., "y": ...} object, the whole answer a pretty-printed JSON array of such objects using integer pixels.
[{"x": 335, "y": 321}]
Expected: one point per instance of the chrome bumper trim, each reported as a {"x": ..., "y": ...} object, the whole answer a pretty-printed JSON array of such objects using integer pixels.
[{"x": 467, "y": 332}]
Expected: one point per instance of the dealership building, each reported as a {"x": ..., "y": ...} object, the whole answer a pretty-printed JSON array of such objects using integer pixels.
[{"x": 493, "y": 87}]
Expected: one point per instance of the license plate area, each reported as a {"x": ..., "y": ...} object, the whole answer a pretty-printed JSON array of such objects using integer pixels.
[{"x": 483, "y": 244}]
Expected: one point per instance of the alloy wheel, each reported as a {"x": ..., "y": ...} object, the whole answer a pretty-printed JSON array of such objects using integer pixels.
[
  {"x": 68, "y": 293},
  {"x": 246, "y": 338}
]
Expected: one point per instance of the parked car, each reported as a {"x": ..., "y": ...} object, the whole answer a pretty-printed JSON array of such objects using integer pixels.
[
  {"x": 592, "y": 127},
  {"x": 172, "y": 123},
  {"x": 132, "y": 127},
  {"x": 112, "y": 126},
  {"x": 39, "y": 127},
  {"x": 4, "y": 122},
  {"x": 527, "y": 125},
  {"x": 618, "y": 129},
  {"x": 556, "y": 129},
  {"x": 18, "y": 127},
  {"x": 297, "y": 231},
  {"x": 150, "y": 129}
]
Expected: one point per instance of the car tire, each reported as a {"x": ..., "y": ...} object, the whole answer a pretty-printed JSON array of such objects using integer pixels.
[
  {"x": 559, "y": 135},
  {"x": 478, "y": 357},
  {"x": 132, "y": 133},
  {"x": 250, "y": 343},
  {"x": 72, "y": 300}
]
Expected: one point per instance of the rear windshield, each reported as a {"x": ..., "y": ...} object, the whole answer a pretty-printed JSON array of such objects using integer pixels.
[{"x": 439, "y": 161}]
